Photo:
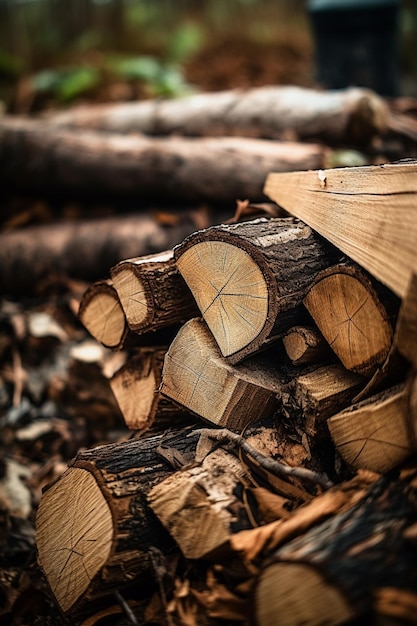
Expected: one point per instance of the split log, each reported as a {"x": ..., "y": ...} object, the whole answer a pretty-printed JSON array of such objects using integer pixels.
[
  {"x": 336, "y": 571},
  {"x": 370, "y": 213},
  {"x": 196, "y": 376},
  {"x": 152, "y": 292},
  {"x": 95, "y": 531},
  {"x": 311, "y": 397},
  {"x": 376, "y": 433},
  {"x": 35, "y": 157},
  {"x": 343, "y": 116},
  {"x": 135, "y": 386},
  {"x": 249, "y": 279},
  {"x": 102, "y": 315},
  {"x": 81, "y": 249},
  {"x": 351, "y": 316},
  {"x": 305, "y": 344}
]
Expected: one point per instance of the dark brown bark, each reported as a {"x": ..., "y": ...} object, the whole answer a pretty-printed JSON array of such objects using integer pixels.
[{"x": 35, "y": 157}]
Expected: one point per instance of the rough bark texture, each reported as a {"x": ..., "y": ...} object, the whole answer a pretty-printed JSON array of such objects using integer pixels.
[
  {"x": 249, "y": 279},
  {"x": 95, "y": 531},
  {"x": 35, "y": 157},
  {"x": 152, "y": 292},
  {"x": 335, "y": 571},
  {"x": 305, "y": 344},
  {"x": 347, "y": 116},
  {"x": 81, "y": 249}
]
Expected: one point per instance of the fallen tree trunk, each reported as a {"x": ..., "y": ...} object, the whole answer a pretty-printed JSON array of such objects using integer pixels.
[
  {"x": 35, "y": 157},
  {"x": 351, "y": 115},
  {"x": 249, "y": 279},
  {"x": 80, "y": 249}
]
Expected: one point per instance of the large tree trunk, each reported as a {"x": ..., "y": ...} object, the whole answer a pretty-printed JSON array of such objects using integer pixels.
[
  {"x": 351, "y": 115},
  {"x": 36, "y": 157}
]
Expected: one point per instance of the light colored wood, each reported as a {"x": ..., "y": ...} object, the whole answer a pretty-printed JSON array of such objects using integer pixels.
[
  {"x": 370, "y": 213},
  {"x": 249, "y": 279},
  {"x": 405, "y": 337},
  {"x": 351, "y": 317},
  {"x": 71, "y": 553},
  {"x": 102, "y": 315},
  {"x": 345, "y": 115},
  {"x": 279, "y": 601},
  {"x": 196, "y": 376},
  {"x": 152, "y": 292},
  {"x": 199, "y": 506},
  {"x": 375, "y": 434},
  {"x": 305, "y": 344}
]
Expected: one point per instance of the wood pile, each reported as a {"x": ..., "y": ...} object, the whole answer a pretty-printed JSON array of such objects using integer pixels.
[{"x": 271, "y": 390}]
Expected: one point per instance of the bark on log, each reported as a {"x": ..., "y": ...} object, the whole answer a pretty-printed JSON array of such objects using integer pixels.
[
  {"x": 94, "y": 528},
  {"x": 152, "y": 292},
  {"x": 135, "y": 387},
  {"x": 335, "y": 571},
  {"x": 313, "y": 396},
  {"x": 338, "y": 204},
  {"x": 196, "y": 376},
  {"x": 305, "y": 344},
  {"x": 35, "y": 157},
  {"x": 344, "y": 116},
  {"x": 83, "y": 250},
  {"x": 351, "y": 316},
  {"x": 102, "y": 315},
  {"x": 375, "y": 434},
  {"x": 249, "y": 279}
]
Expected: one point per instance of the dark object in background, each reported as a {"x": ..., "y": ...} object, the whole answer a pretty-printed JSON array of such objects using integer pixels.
[{"x": 356, "y": 43}]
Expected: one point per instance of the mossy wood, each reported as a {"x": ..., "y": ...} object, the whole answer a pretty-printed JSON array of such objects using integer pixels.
[
  {"x": 196, "y": 376},
  {"x": 152, "y": 292},
  {"x": 94, "y": 528},
  {"x": 370, "y": 213},
  {"x": 249, "y": 279}
]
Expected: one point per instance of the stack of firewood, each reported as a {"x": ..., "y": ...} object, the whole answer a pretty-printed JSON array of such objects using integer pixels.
[{"x": 271, "y": 390}]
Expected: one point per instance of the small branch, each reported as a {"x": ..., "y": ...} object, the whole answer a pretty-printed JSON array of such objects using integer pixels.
[{"x": 224, "y": 435}]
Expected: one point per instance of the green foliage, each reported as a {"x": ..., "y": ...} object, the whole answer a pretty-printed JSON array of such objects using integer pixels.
[{"x": 66, "y": 84}]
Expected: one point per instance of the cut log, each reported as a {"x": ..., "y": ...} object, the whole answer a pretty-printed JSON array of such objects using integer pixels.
[
  {"x": 332, "y": 574},
  {"x": 305, "y": 344},
  {"x": 135, "y": 387},
  {"x": 376, "y": 433},
  {"x": 312, "y": 397},
  {"x": 199, "y": 506},
  {"x": 102, "y": 315},
  {"x": 196, "y": 376},
  {"x": 249, "y": 279},
  {"x": 216, "y": 169},
  {"x": 81, "y": 249},
  {"x": 94, "y": 529},
  {"x": 405, "y": 338},
  {"x": 351, "y": 317},
  {"x": 370, "y": 213},
  {"x": 343, "y": 116},
  {"x": 152, "y": 292}
]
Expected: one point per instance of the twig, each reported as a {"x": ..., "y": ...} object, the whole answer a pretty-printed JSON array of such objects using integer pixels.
[
  {"x": 275, "y": 467},
  {"x": 126, "y": 608}
]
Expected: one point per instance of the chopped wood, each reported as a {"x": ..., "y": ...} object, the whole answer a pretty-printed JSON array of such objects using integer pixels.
[
  {"x": 249, "y": 279},
  {"x": 305, "y": 344},
  {"x": 187, "y": 169},
  {"x": 375, "y": 434},
  {"x": 102, "y": 315},
  {"x": 332, "y": 573},
  {"x": 135, "y": 387},
  {"x": 351, "y": 316},
  {"x": 369, "y": 212},
  {"x": 196, "y": 376},
  {"x": 152, "y": 292},
  {"x": 94, "y": 529},
  {"x": 313, "y": 396},
  {"x": 352, "y": 115},
  {"x": 80, "y": 249}
]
